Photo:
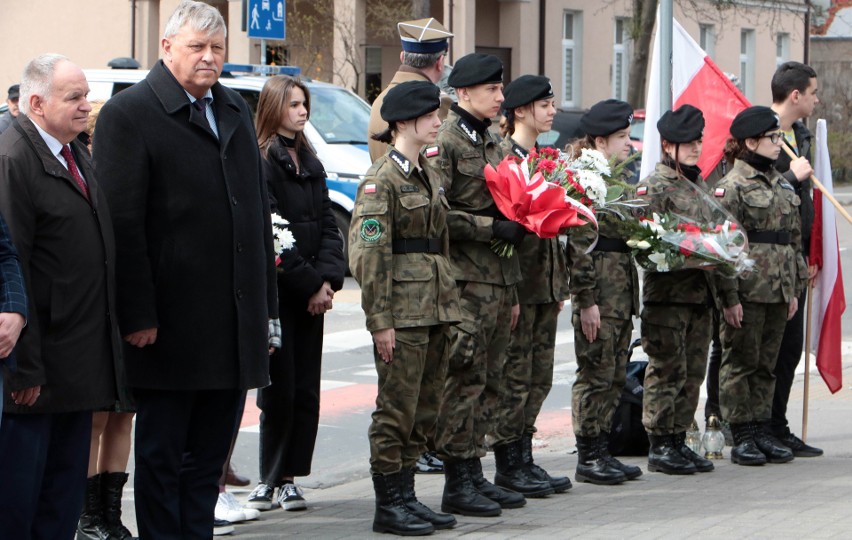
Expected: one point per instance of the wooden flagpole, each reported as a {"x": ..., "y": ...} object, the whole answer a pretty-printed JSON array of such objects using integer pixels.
[
  {"x": 817, "y": 184},
  {"x": 808, "y": 315}
]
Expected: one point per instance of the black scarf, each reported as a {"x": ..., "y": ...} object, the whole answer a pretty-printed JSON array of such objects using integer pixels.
[
  {"x": 761, "y": 163},
  {"x": 479, "y": 125},
  {"x": 690, "y": 172}
]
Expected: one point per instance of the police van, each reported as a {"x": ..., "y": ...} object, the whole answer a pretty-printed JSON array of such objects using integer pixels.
[{"x": 337, "y": 128}]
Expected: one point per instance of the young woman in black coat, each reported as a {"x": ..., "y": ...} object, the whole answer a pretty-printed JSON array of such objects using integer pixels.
[{"x": 309, "y": 274}]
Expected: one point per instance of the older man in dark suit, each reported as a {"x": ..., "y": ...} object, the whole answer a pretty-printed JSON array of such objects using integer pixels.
[
  {"x": 13, "y": 302},
  {"x": 60, "y": 225},
  {"x": 196, "y": 276}
]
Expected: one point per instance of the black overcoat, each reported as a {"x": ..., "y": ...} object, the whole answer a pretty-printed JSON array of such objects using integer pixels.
[
  {"x": 70, "y": 345},
  {"x": 193, "y": 235}
]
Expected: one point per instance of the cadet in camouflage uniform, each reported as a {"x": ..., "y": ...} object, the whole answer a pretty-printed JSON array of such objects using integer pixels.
[
  {"x": 398, "y": 252},
  {"x": 604, "y": 289},
  {"x": 486, "y": 287},
  {"x": 529, "y": 109},
  {"x": 757, "y": 306},
  {"x": 677, "y": 314}
]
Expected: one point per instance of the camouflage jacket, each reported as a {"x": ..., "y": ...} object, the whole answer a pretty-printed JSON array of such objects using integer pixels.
[
  {"x": 396, "y": 201},
  {"x": 544, "y": 272},
  {"x": 462, "y": 153},
  {"x": 606, "y": 278},
  {"x": 763, "y": 202},
  {"x": 665, "y": 191}
]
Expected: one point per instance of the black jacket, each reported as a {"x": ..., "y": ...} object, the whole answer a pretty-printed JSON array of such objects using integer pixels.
[
  {"x": 193, "y": 235},
  {"x": 70, "y": 346},
  {"x": 302, "y": 199},
  {"x": 804, "y": 141}
]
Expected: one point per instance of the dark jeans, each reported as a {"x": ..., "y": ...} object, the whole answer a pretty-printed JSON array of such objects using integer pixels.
[
  {"x": 785, "y": 368},
  {"x": 43, "y": 463},
  {"x": 711, "y": 406},
  {"x": 290, "y": 405},
  {"x": 182, "y": 441}
]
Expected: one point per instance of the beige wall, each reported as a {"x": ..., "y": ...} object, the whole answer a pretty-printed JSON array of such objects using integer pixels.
[{"x": 103, "y": 33}]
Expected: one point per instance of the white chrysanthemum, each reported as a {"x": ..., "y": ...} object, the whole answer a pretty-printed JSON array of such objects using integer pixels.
[
  {"x": 593, "y": 160},
  {"x": 643, "y": 244},
  {"x": 593, "y": 184},
  {"x": 282, "y": 238}
]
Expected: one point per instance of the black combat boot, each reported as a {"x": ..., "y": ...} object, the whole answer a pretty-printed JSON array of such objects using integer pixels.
[
  {"x": 439, "y": 521},
  {"x": 771, "y": 447},
  {"x": 506, "y": 498},
  {"x": 461, "y": 496},
  {"x": 664, "y": 457},
  {"x": 560, "y": 484},
  {"x": 112, "y": 485},
  {"x": 392, "y": 516},
  {"x": 701, "y": 463},
  {"x": 745, "y": 450},
  {"x": 91, "y": 525},
  {"x": 511, "y": 475},
  {"x": 594, "y": 468},
  {"x": 632, "y": 472}
]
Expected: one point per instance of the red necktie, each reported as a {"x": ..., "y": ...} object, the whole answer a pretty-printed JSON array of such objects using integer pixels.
[{"x": 72, "y": 168}]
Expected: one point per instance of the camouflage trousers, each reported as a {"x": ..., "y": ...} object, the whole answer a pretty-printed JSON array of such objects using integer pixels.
[
  {"x": 475, "y": 370},
  {"x": 676, "y": 339},
  {"x": 746, "y": 376},
  {"x": 528, "y": 374},
  {"x": 601, "y": 372},
  {"x": 408, "y": 398}
]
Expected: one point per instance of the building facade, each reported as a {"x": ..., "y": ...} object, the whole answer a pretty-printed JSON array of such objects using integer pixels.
[{"x": 584, "y": 46}]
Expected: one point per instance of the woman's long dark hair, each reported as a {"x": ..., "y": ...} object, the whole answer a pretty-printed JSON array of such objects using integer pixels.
[{"x": 272, "y": 107}]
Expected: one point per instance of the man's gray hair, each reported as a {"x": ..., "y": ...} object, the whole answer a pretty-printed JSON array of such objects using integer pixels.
[
  {"x": 421, "y": 60},
  {"x": 38, "y": 78},
  {"x": 198, "y": 15}
]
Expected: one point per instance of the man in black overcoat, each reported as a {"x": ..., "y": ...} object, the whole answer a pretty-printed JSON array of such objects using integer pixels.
[
  {"x": 59, "y": 222},
  {"x": 180, "y": 164}
]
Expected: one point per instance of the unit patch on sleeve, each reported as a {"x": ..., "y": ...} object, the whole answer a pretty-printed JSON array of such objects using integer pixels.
[
  {"x": 642, "y": 190},
  {"x": 370, "y": 188},
  {"x": 432, "y": 151},
  {"x": 371, "y": 230},
  {"x": 720, "y": 192}
]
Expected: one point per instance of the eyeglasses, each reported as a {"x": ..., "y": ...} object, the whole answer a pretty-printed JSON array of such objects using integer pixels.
[{"x": 773, "y": 137}]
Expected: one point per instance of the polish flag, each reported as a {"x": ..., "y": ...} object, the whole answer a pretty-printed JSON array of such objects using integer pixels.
[
  {"x": 696, "y": 80},
  {"x": 828, "y": 298}
]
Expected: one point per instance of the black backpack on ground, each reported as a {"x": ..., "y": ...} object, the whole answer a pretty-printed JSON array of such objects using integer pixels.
[{"x": 627, "y": 436}]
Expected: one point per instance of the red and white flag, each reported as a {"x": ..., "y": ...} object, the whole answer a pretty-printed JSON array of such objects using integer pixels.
[
  {"x": 828, "y": 300},
  {"x": 696, "y": 80}
]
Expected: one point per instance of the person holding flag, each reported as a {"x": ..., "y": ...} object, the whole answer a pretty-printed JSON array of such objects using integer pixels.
[
  {"x": 794, "y": 96},
  {"x": 756, "y": 306}
]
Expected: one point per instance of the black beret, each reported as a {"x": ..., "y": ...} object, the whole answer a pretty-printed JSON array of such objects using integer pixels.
[
  {"x": 686, "y": 124},
  {"x": 475, "y": 68},
  {"x": 606, "y": 117},
  {"x": 409, "y": 100},
  {"x": 754, "y": 121},
  {"x": 526, "y": 89}
]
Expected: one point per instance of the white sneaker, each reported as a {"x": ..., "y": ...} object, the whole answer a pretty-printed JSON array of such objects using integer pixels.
[{"x": 229, "y": 509}]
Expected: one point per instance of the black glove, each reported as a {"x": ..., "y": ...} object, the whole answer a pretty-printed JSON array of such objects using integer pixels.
[{"x": 509, "y": 231}]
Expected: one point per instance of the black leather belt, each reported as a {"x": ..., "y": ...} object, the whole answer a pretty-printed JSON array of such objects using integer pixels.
[
  {"x": 770, "y": 237},
  {"x": 418, "y": 245},
  {"x": 616, "y": 245}
]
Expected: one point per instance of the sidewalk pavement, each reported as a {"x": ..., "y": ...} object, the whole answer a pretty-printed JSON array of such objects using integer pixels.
[{"x": 807, "y": 498}]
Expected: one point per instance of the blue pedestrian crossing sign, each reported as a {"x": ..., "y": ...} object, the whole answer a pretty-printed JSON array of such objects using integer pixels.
[{"x": 266, "y": 19}]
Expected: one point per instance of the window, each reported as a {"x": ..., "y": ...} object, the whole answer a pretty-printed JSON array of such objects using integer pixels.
[
  {"x": 782, "y": 48},
  {"x": 373, "y": 72},
  {"x": 707, "y": 38},
  {"x": 571, "y": 58},
  {"x": 620, "y": 60},
  {"x": 747, "y": 52}
]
